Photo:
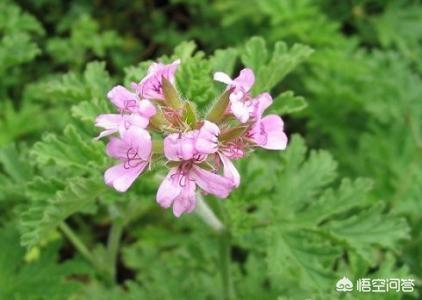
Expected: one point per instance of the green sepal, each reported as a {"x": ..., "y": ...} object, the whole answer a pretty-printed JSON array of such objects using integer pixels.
[
  {"x": 233, "y": 133},
  {"x": 171, "y": 95},
  {"x": 189, "y": 113},
  {"x": 157, "y": 121},
  {"x": 157, "y": 146},
  {"x": 216, "y": 113}
]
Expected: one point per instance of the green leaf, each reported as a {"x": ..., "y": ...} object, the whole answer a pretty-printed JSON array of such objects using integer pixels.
[
  {"x": 44, "y": 278},
  {"x": 224, "y": 60},
  {"x": 367, "y": 228},
  {"x": 288, "y": 103},
  {"x": 193, "y": 79},
  {"x": 308, "y": 224},
  {"x": 14, "y": 122},
  {"x": 255, "y": 54},
  {"x": 44, "y": 214},
  {"x": 302, "y": 180},
  {"x": 70, "y": 150},
  {"x": 14, "y": 164},
  {"x": 270, "y": 70},
  {"x": 184, "y": 51}
]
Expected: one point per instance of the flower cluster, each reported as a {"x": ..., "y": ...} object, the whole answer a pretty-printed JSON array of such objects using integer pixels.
[{"x": 199, "y": 152}]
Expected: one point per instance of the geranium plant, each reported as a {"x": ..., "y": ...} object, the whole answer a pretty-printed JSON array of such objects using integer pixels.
[{"x": 198, "y": 151}]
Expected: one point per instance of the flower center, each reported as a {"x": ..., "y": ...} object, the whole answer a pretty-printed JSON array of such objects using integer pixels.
[
  {"x": 182, "y": 173},
  {"x": 133, "y": 159},
  {"x": 129, "y": 105}
]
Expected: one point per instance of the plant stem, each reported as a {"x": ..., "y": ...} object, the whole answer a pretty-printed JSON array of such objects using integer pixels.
[
  {"x": 77, "y": 243},
  {"x": 113, "y": 246},
  {"x": 225, "y": 256},
  {"x": 209, "y": 217}
]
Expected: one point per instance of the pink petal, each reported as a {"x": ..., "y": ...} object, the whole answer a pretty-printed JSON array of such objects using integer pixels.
[
  {"x": 110, "y": 122},
  {"x": 169, "y": 189},
  {"x": 151, "y": 86},
  {"x": 276, "y": 138},
  {"x": 139, "y": 139},
  {"x": 186, "y": 200},
  {"x": 207, "y": 139},
  {"x": 211, "y": 183},
  {"x": 245, "y": 80},
  {"x": 230, "y": 170},
  {"x": 261, "y": 102},
  {"x": 222, "y": 77},
  {"x": 178, "y": 191},
  {"x": 117, "y": 148},
  {"x": 121, "y": 178},
  {"x": 241, "y": 110},
  {"x": 180, "y": 146},
  {"x": 134, "y": 120},
  {"x": 123, "y": 99},
  {"x": 146, "y": 108}
]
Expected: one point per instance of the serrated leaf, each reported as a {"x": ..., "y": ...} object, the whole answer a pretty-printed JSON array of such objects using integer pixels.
[
  {"x": 224, "y": 60},
  {"x": 269, "y": 71},
  {"x": 193, "y": 79},
  {"x": 14, "y": 165},
  {"x": 70, "y": 150},
  {"x": 43, "y": 279},
  {"x": 367, "y": 228},
  {"x": 44, "y": 215},
  {"x": 184, "y": 51},
  {"x": 255, "y": 53},
  {"x": 287, "y": 103}
]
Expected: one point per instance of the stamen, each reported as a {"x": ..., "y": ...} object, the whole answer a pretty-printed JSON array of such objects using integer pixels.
[
  {"x": 133, "y": 159},
  {"x": 182, "y": 174},
  {"x": 130, "y": 105}
]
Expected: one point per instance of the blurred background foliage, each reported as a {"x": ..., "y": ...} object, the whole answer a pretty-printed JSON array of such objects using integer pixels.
[{"x": 298, "y": 222}]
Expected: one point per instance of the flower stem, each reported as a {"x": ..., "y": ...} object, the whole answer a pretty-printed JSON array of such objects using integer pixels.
[
  {"x": 113, "y": 246},
  {"x": 209, "y": 217},
  {"x": 77, "y": 243},
  {"x": 225, "y": 256}
]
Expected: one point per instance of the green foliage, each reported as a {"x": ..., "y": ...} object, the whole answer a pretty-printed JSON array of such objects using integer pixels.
[
  {"x": 271, "y": 69},
  {"x": 46, "y": 213},
  {"x": 315, "y": 227},
  {"x": 83, "y": 39},
  {"x": 18, "y": 31},
  {"x": 298, "y": 222},
  {"x": 42, "y": 278}
]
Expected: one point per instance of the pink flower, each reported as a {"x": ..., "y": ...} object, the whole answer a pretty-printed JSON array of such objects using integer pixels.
[
  {"x": 133, "y": 150},
  {"x": 207, "y": 143},
  {"x": 178, "y": 188},
  {"x": 134, "y": 112},
  {"x": 200, "y": 154},
  {"x": 151, "y": 87},
  {"x": 267, "y": 132},
  {"x": 123, "y": 99},
  {"x": 113, "y": 123},
  {"x": 240, "y": 100},
  {"x": 229, "y": 170},
  {"x": 207, "y": 138},
  {"x": 180, "y": 146}
]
